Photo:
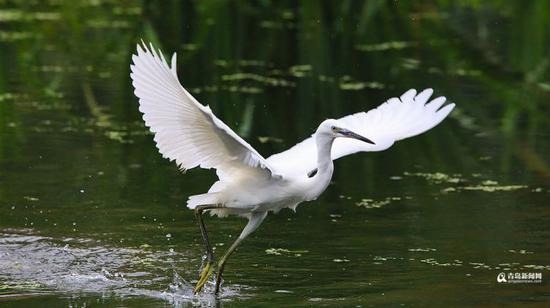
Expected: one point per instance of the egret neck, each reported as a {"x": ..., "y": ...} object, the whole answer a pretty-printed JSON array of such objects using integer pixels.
[{"x": 325, "y": 166}]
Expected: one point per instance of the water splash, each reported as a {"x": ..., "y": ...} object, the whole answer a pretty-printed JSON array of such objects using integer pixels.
[{"x": 37, "y": 265}]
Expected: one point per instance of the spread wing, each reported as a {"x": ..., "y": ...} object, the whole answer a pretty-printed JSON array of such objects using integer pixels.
[
  {"x": 186, "y": 131},
  {"x": 396, "y": 119}
]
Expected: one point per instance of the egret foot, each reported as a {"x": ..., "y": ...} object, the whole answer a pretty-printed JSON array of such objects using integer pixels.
[{"x": 207, "y": 271}]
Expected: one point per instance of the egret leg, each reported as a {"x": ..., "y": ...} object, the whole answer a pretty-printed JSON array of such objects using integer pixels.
[
  {"x": 254, "y": 222},
  {"x": 209, "y": 267},
  {"x": 221, "y": 265}
]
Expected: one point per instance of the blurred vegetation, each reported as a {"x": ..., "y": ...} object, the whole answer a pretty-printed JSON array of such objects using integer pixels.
[{"x": 264, "y": 63}]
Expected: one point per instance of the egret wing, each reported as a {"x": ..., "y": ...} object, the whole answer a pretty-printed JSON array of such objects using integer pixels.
[
  {"x": 185, "y": 130},
  {"x": 396, "y": 119}
]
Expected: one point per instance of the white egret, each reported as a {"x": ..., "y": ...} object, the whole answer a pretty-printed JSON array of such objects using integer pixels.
[{"x": 250, "y": 185}]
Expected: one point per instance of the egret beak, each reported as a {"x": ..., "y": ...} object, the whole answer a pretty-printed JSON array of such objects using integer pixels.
[{"x": 350, "y": 134}]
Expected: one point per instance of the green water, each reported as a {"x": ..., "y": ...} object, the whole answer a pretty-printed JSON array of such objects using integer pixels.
[{"x": 91, "y": 214}]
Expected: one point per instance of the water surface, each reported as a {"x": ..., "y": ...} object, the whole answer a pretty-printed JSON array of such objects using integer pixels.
[{"x": 90, "y": 213}]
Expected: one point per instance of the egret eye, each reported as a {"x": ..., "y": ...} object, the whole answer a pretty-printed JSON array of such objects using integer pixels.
[{"x": 333, "y": 127}]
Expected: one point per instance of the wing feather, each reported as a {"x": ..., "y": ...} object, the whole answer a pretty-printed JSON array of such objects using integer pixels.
[
  {"x": 394, "y": 120},
  {"x": 186, "y": 131}
]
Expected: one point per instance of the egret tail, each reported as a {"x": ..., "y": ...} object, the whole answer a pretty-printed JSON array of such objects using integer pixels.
[{"x": 203, "y": 199}]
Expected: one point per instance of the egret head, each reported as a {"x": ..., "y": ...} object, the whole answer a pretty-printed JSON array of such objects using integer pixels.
[{"x": 335, "y": 129}]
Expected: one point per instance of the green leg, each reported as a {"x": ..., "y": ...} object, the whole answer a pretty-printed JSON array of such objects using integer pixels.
[
  {"x": 254, "y": 221},
  {"x": 221, "y": 265},
  {"x": 209, "y": 267}
]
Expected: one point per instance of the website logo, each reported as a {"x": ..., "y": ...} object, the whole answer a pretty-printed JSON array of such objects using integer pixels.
[{"x": 519, "y": 277}]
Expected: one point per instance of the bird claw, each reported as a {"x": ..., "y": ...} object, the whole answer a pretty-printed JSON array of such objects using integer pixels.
[{"x": 207, "y": 271}]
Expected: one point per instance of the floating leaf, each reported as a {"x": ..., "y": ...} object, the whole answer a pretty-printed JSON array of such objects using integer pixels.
[{"x": 283, "y": 251}]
